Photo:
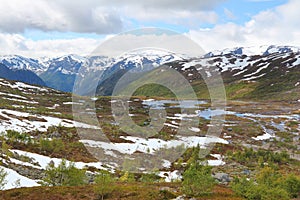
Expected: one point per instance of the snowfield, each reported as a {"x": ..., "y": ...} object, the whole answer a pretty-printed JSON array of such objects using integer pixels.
[
  {"x": 42, "y": 123},
  {"x": 13, "y": 177},
  {"x": 43, "y": 161},
  {"x": 152, "y": 145}
]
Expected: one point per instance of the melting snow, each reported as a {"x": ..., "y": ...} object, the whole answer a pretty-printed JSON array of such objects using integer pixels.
[
  {"x": 21, "y": 86},
  {"x": 194, "y": 129},
  {"x": 72, "y": 103},
  {"x": 170, "y": 176},
  {"x": 42, "y": 123},
  {"x": 13, "y": 95},
  {"x": 253, "y": 77},
  {"x": 13, "y": 177},
  {"x": 20, "y": 100},
  {"x": 45, "y": 160},
  {"x": 151, "y": 145},
  {"x": 265, "y": 136},
  {"x": 257, "y": 71}
]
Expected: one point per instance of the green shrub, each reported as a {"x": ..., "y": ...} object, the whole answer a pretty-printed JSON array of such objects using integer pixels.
[
  {"x": 3, "y": 175},
  {"x": 150, "y": 178},
  {"x": 251, "y": 157},
  {"x": 127, "y": 177},
  {"x": 64, "y": 175},
  {"x": 103, "y": 184},
  {"x": 268, "y": 185},
  {"x": 46, "y": 145},
  {"x": 52, "y": 146},
  {"x": 15, "y": 136},
  {"x": 197, "y": 180},
  {"x": 291, "y": 184}
]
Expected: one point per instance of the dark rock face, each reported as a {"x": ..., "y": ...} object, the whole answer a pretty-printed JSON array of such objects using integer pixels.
[{"x": 25, "y": 76}]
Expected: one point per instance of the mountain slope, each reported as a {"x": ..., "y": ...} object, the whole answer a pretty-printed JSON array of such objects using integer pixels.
[
  {"x": 254, "y": 51},
  {"x": 25, "y": 76},
  {"x": 62, "y": 71},
  {"x": 17, "y": 62},
  {"x": 268, "y": 76},
  {"x": 133, "y": 62},
  {"x": 245, "y": 64}
]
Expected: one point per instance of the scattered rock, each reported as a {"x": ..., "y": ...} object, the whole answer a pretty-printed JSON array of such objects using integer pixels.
[
  {"x": 222, "y": 178},
  {"x": 182, "y": 197},
  {"x": 246, "y": 172}
]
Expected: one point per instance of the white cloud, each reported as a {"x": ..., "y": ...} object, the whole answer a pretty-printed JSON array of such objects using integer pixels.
[
  {"x": 18, "y": 15},
  {"x": 165, "y": 41},
  {"x": 229, "y": 14},
  {"x": 112, "y": 45},
  {"x": 279, "y": 26},
  {"x": 17, "y": 44},
  {"x": 177, "y": 17},
  {"x": 99, "y": 16}
]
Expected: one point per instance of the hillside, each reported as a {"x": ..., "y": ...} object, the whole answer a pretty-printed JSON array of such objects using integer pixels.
[
  {"x": 20, "y": 75},
  {"x": 38, "y": 128},
  {"x": 248, "y": 72},
  {"x": 42, "y": 127},
  {"x": 268, "y": 76}
]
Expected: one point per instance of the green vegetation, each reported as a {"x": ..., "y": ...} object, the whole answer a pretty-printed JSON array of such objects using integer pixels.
[
  {"x": 15, "y": 136},
  {"x": 103, "y": 184},
  {"x": 276, "y": 182},
  {"x": 64, "y": 175},
  {"x": 65, "y": 146},
  {"x": 154, "y": 90},
  {"x": 268, "y": 184},
  {"x": 127, "y": 177},
  {"x": 239, "y": 90},
  {"x": 51, "y": 146},
  {"x": 197, "y": 180},
  {"x": 150, "y": 178},
  {"x": 3, "y": 176},
  {"x": 251, "y": 158}
]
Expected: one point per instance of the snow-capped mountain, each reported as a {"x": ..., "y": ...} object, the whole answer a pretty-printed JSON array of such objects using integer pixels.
[
  {"x": 140, "y": 60},
  {"x": 243, "y": 63},
  {"x": 22, "y": 63},
  {"x": 62, "y": 71},
  {"x": 69, "y": 64},
  {"x": 137, "y": 61},
  {"x": 275, "y": 72},
  {"x": 25, "y": 76},
  {"x": 234, "y": 62},
  {"x": 134, "y": 62},
  {"x": 254, "y": 50}
]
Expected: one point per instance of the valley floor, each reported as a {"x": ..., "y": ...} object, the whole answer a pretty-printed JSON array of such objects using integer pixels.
[{"x": 37, "y": 128}]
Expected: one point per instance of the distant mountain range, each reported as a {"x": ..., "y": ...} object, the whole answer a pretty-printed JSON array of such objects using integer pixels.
[
  {"x": 272, "y": 65},
  {"x": 272, "y": 74},
  {"x": 60, "y": 73},
  {"x": 254, "y": 51},
  {"x": 22, "y": 75}
]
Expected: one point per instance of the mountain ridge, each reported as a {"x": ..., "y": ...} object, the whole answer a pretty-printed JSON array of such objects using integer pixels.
[
  {"x": 60, "y": 72},
  {"x": 25, "y": 76}
]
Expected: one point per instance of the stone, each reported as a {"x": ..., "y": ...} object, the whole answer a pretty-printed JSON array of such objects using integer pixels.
[
  {"x": 182, "y": 197},
  {"x": 222, "y": 177}
]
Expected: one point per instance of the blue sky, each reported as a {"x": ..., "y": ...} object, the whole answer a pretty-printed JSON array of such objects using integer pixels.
[
  {"x": 57, "y": 27},
  {"x": 242, "y": 11}
]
